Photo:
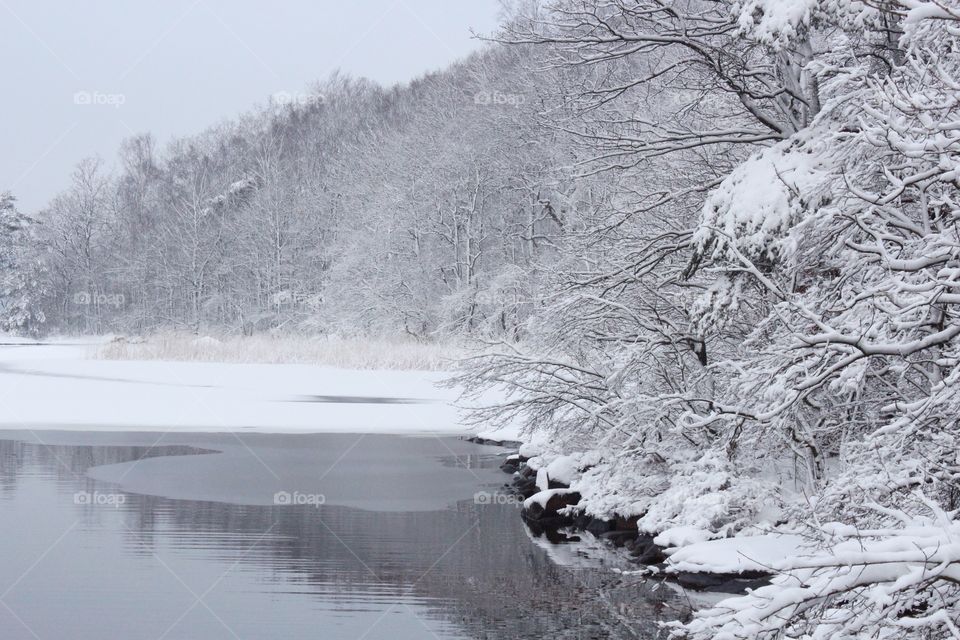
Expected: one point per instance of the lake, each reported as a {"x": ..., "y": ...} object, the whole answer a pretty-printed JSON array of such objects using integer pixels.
[{"x": 159, "y": 536}]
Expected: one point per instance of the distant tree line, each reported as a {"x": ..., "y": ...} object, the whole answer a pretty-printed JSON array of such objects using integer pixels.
[{"x": 427, "y": 209}]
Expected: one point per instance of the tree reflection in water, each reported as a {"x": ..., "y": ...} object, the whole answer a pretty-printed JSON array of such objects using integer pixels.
[{"x": 469, "y": 570}]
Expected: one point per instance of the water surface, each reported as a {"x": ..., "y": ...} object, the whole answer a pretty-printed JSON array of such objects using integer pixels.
[{"x": 153, "y": 536}]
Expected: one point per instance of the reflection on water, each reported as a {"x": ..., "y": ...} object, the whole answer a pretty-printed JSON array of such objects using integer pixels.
[{"x": 183, "y": 544}]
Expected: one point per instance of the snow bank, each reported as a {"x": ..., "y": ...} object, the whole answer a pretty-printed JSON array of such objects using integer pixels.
[
  {"x": 683, "y": 536},
  {"x": 735, "y": 555},
  {"x": 872, "y": 571}
]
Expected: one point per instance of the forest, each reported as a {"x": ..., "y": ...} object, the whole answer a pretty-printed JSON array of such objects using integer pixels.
[{"x": 709, "y": 250}]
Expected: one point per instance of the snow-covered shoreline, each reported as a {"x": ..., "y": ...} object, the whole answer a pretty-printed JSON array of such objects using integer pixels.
[
  {"x": 694, "y": 558},
  {"x": 733, "y": 578},
  {"x": 698, "y": 559}
]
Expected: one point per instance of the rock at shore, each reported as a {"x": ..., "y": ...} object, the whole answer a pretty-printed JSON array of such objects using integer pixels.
[{"x": 551, "y": 505}]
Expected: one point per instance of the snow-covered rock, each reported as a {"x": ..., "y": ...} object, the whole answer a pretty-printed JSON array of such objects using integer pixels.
[{"x": 562, "y": 469}]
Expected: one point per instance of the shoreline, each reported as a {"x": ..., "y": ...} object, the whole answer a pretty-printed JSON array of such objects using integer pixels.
[{"x": 551, "y": 512}]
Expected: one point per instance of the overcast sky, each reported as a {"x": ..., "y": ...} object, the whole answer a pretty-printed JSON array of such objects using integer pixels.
[{"x": 174, "y": 67}]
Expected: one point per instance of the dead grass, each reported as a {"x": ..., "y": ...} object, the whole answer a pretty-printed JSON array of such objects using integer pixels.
[{"x": 346, "y": 353}]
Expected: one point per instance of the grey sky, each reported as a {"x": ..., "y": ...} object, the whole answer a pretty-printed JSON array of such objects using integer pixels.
[{"x": 178, "y": 66}]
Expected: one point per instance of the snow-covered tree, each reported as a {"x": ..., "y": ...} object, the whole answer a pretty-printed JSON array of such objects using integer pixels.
[
  {"x": 848, "y": 231},
  {"x": 20, "y": 272}
]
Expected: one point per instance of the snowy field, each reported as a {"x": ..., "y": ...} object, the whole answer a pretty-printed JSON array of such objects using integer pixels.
[{"x": 61, "y": 386}]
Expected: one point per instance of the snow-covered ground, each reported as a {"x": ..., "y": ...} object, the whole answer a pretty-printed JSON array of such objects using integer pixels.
[
  {"x": 734, "y": 555},
  {"x": 59, "y": 386}
]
